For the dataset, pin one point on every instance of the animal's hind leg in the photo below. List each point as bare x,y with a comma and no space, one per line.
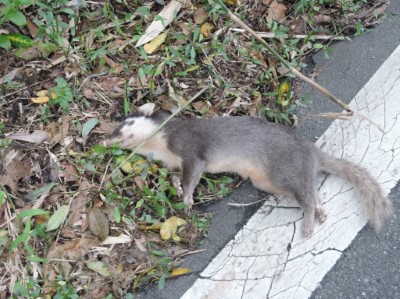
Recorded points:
307,199
305,194
191,174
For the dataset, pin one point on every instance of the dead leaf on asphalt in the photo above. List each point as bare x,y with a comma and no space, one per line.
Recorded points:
169,228
267,2
179,271
28,54
78,205
200,15
206,29
13,171
71,250
103,269
164,18
152,46
112,87
62,129
121,239
276,12
322,19
98,223
110,62
185,28
12,75
107,127
298,26
69,173
33,29
37,136
54,166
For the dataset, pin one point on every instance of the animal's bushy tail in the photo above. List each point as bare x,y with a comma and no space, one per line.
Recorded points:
377,207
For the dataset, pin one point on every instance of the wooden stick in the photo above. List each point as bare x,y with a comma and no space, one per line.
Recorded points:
272,35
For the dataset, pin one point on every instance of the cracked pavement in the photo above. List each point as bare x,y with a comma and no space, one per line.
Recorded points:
269,257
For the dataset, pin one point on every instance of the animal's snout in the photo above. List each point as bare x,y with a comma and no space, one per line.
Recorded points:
108,141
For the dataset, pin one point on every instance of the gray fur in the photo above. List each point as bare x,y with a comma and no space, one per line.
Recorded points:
273,157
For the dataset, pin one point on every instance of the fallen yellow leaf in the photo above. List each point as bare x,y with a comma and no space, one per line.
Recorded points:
169,227
208,60
45,93
74,154
154,226
175,95
137,166
233,2
40,100
155,43
179,271
206,29
283,97
164,18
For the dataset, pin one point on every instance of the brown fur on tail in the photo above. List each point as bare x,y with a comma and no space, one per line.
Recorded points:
377,207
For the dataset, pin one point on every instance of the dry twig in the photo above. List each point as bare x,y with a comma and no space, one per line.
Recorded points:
299,75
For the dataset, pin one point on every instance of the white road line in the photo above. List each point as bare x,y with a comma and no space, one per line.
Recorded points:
269,258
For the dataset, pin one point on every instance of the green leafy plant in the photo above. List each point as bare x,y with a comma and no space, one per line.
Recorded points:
2,197
27,289
162,200
65,290
15,39
51,27
11,11
27,231
63,94
5,143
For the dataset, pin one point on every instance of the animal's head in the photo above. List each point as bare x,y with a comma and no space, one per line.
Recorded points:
135,129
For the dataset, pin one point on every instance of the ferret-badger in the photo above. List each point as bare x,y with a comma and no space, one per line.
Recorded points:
272,156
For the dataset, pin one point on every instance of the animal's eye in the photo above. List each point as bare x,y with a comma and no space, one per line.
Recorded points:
130,122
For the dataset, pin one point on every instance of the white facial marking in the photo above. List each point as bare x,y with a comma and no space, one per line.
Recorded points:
138,129
135,131
147,109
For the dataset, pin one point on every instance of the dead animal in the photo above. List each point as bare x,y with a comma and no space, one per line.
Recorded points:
272,156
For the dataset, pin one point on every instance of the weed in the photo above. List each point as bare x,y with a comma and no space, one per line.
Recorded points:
27,289
51,25
45,113
63,94
11,11
5,143
65,290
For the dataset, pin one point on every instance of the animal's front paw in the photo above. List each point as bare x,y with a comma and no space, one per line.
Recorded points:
188,211
321,214
189,201
176,182
308,225
307,230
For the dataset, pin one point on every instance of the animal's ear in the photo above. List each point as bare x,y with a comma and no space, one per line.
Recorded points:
147,109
